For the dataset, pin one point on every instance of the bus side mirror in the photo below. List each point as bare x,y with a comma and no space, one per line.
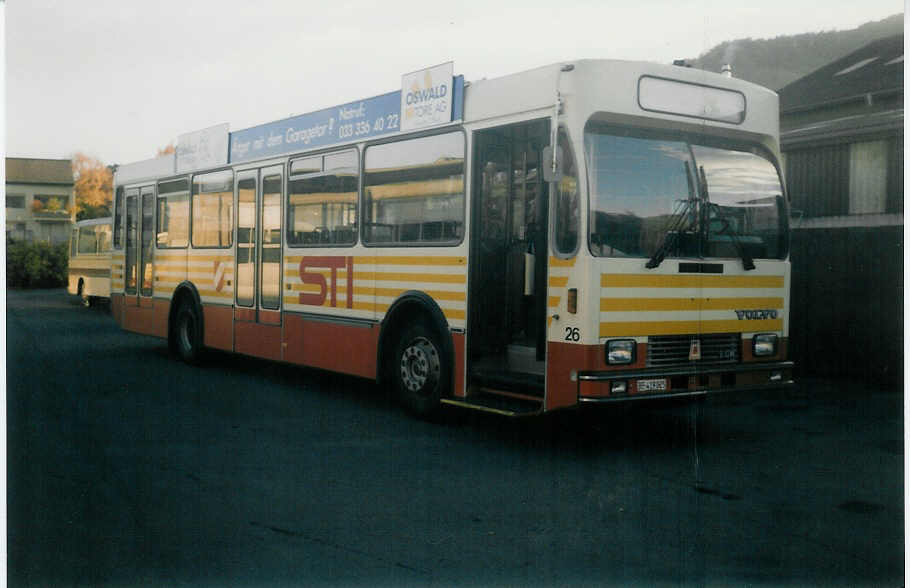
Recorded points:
549,174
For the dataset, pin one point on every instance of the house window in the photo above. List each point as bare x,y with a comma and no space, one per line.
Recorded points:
868,177
15,201
51,205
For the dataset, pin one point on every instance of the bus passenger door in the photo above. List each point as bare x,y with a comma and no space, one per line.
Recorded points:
506,332
138,308
257,310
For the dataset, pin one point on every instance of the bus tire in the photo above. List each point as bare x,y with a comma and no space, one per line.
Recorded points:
187,333
86,300
421,370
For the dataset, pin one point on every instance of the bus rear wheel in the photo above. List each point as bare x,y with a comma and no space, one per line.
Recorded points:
421,371
187,338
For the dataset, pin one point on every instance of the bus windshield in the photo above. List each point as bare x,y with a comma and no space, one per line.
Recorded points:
669,196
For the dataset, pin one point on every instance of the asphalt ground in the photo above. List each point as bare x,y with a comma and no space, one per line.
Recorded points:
128,468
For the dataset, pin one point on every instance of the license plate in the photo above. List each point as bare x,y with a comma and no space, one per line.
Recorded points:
658,385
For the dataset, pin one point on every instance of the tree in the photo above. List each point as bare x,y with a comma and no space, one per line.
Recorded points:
94,186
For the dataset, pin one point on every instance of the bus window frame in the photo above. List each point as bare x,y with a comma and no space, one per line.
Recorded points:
193,176
143,192
130,192
563,130
692,116
464,190
189,202
117,244
358,198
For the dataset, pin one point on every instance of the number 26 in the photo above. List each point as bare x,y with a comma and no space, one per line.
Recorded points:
572,334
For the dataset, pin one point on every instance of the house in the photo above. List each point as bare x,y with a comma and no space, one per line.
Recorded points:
842,130
39,199
842,136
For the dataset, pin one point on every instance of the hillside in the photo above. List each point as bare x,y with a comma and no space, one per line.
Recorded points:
776,62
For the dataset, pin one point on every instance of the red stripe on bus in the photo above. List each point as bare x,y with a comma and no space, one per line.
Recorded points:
218,322
258,340
338,347
145,316
458,385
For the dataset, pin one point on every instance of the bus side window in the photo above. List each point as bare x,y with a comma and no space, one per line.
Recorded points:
213,201
322,200
104,238
414,190
567,205
88,242
173,228
118,219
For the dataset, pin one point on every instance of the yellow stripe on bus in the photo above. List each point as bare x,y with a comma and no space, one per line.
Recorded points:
557,262
342,274
409,260
383,292
676,281
558,281
450,313
642,328
216,294
633,304
400,277
553,301
222,257
395,260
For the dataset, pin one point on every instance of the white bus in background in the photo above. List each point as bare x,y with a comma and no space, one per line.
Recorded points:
90,260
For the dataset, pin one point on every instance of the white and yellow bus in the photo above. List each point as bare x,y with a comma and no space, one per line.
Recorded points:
90,260
468,262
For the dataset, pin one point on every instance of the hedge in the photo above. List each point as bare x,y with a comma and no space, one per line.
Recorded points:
36,265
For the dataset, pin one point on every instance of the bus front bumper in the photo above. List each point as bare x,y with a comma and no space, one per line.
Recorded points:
621,385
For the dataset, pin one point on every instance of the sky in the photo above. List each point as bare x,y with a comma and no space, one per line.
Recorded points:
119,79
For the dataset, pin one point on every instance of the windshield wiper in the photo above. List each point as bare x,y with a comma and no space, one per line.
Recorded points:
675,226
678,222
748,263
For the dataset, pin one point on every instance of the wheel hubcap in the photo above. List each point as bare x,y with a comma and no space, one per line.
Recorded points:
419,365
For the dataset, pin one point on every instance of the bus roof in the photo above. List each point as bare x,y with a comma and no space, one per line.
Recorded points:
94,221
587,86
602,85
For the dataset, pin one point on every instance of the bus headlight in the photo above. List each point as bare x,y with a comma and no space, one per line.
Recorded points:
764,344
620,351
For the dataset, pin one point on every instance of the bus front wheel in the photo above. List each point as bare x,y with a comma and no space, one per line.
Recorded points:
421,371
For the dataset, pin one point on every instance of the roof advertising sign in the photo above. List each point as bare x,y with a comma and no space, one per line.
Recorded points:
426,97
202,149
356,121
340,124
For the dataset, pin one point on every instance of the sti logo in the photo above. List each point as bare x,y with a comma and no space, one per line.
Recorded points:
327,288
755,315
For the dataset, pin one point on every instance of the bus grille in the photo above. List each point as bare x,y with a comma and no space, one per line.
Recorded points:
665,350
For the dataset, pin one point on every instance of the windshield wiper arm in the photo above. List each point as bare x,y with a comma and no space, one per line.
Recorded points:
748,263
677,222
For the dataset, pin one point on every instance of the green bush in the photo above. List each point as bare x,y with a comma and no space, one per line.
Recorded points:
36,265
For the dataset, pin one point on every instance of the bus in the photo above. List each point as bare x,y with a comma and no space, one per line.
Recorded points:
586,232
90,261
